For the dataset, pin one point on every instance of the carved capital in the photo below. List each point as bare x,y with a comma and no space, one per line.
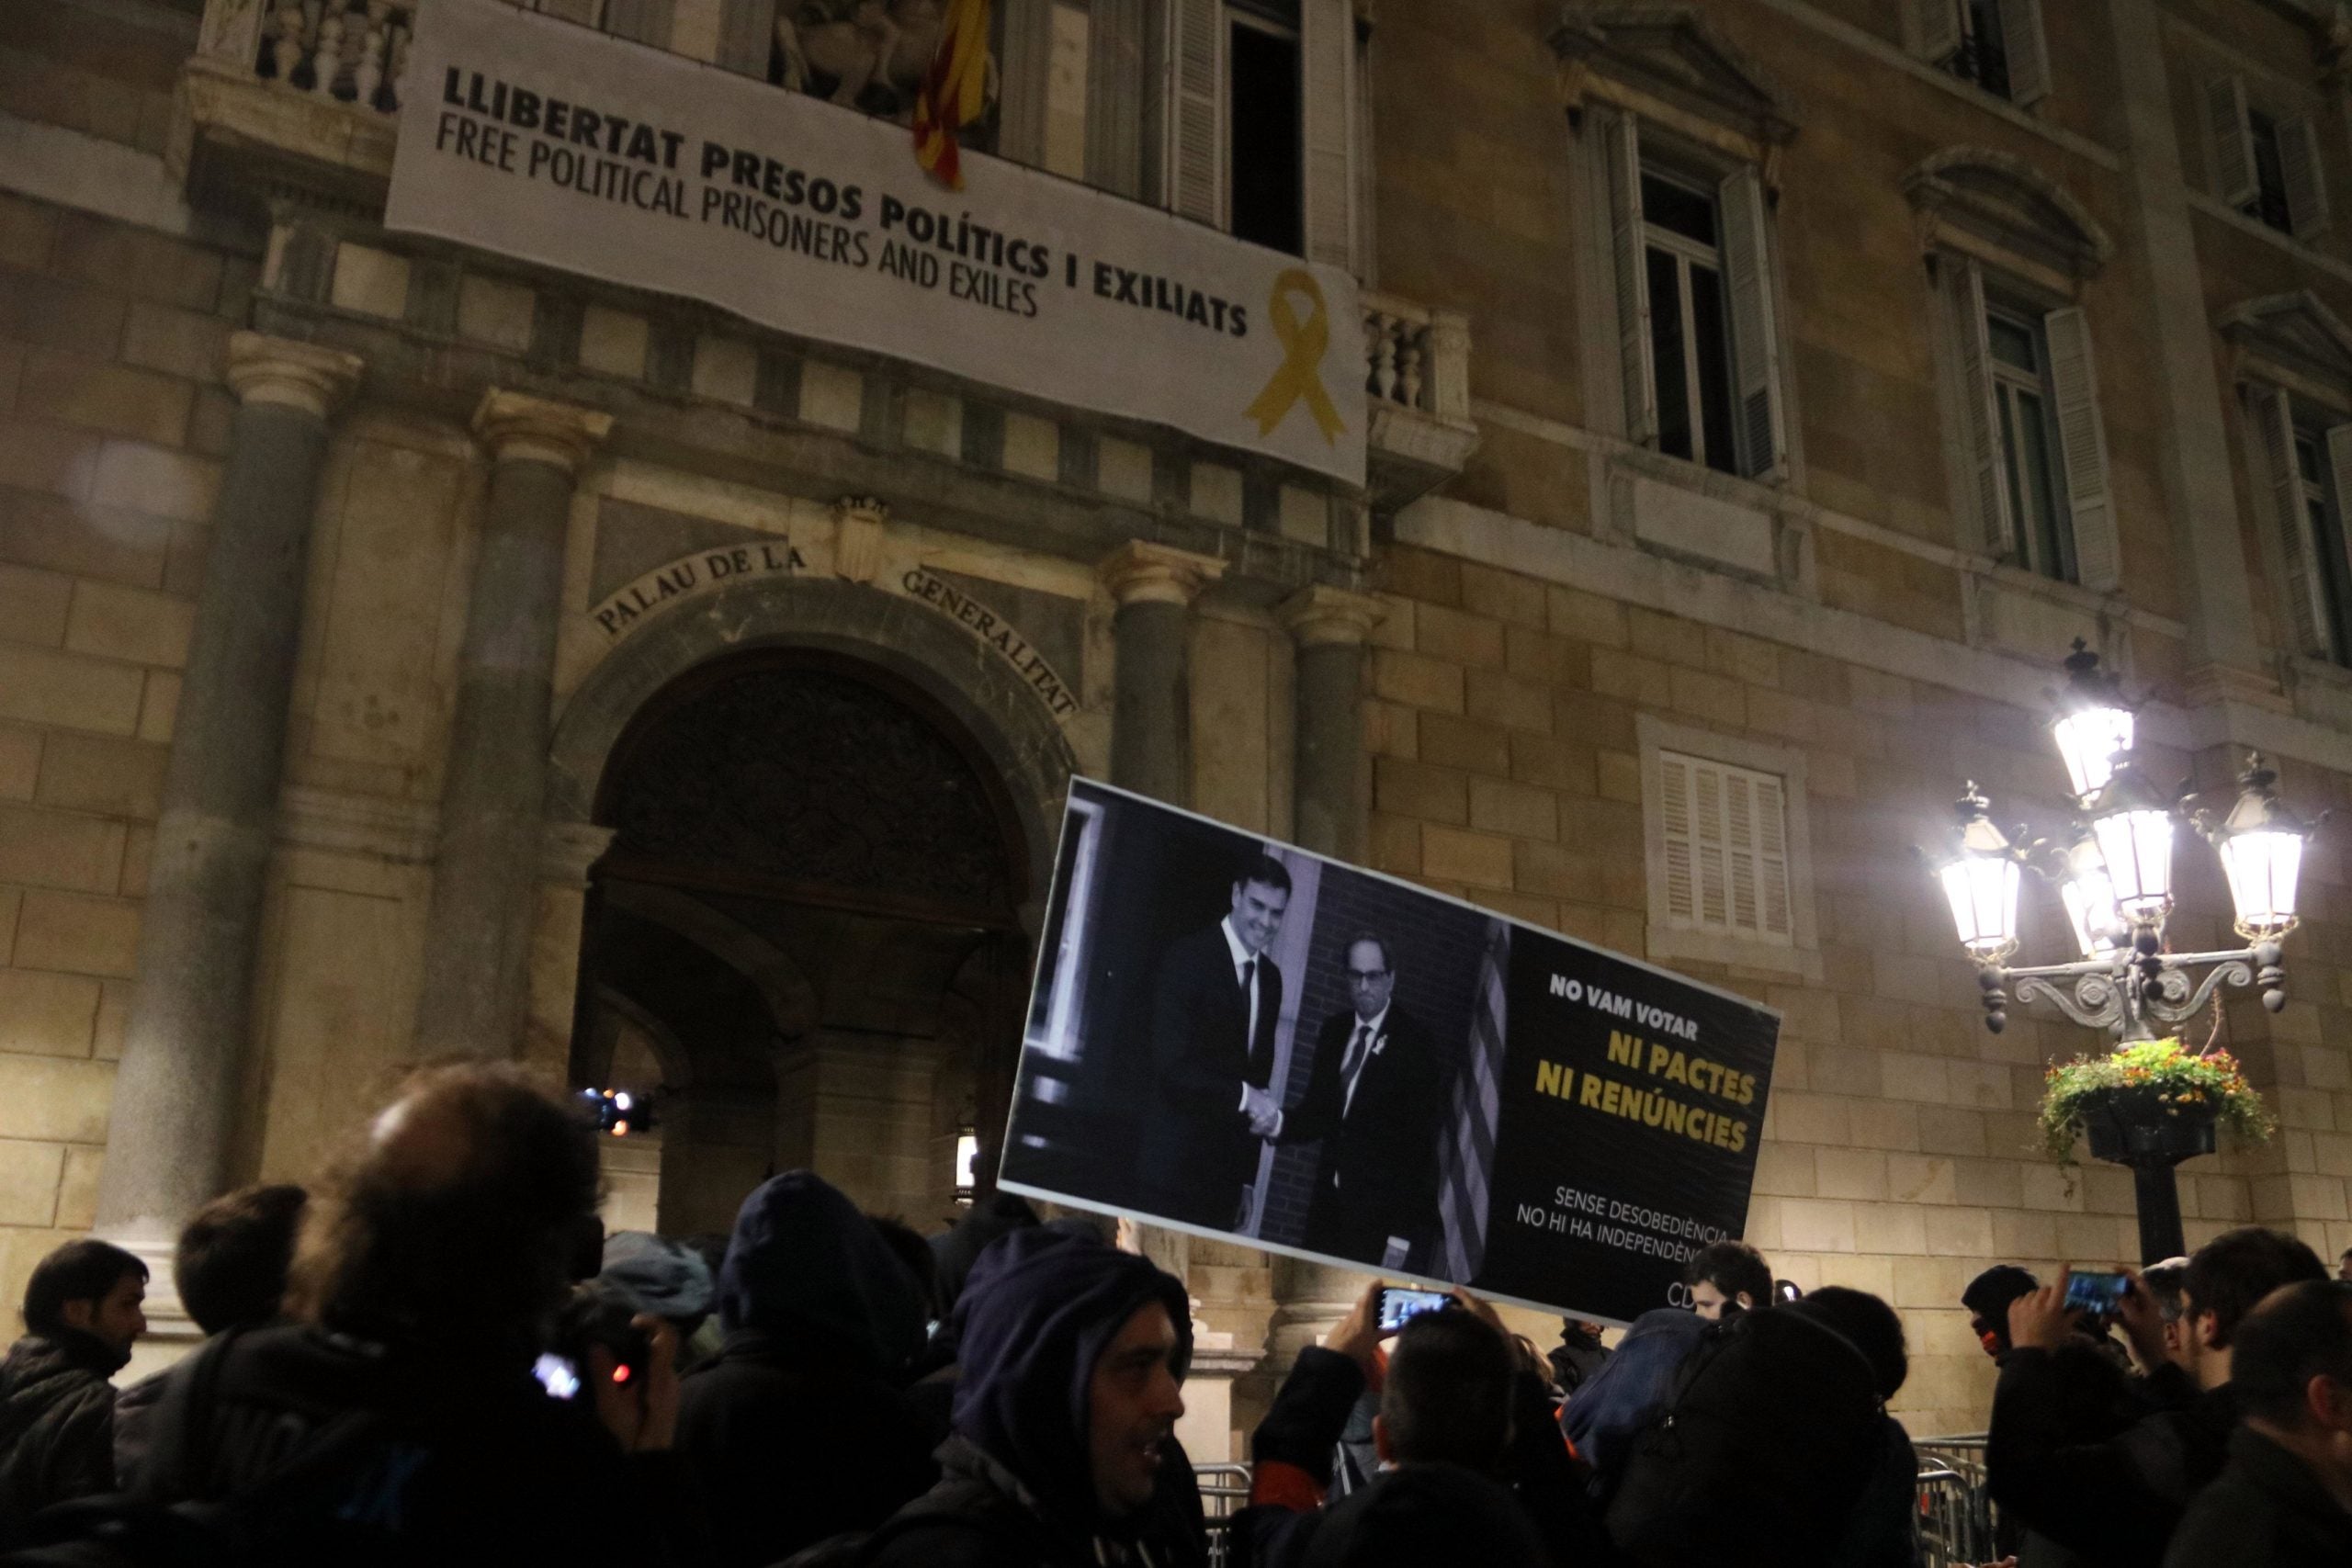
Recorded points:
567,850
858,524
519,428
1318,616
265,369
1142,573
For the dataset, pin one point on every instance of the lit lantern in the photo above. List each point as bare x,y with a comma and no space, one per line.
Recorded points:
2089,897
2133,823
2093,727
1979,878
2261,846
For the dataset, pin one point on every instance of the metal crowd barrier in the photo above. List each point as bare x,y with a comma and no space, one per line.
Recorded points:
1225,1491
1955,1514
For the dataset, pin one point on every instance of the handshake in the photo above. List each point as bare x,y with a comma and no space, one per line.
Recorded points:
1265,1110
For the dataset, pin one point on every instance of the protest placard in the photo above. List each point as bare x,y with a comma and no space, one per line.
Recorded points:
1237,1038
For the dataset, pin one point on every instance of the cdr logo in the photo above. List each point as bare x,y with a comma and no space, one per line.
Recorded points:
1677,1294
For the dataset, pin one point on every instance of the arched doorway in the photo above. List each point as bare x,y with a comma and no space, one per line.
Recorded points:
804,941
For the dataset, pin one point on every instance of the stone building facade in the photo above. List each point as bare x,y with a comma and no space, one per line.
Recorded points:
404,648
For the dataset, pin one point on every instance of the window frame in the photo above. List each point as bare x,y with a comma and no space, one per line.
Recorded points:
1669,938
2234,166
1686,254
1942,31
2010,382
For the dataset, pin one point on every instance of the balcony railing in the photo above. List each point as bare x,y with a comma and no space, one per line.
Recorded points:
318,83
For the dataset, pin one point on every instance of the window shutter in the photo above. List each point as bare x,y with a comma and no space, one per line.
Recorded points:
1326,48
2339,472
747,35
1681,850
1625,152
1116,114
2306,614
1707,832
1935,24
1196,151
2306,181
1755,348
2029,49
646,21
2233,176
1988,489
2082,444
1026,57
1772,858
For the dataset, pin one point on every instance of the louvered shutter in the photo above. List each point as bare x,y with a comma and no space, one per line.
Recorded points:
1624,147
1755,346
2082,444
2306,181
747,35
1681,841
1935,27
2339,472
2306,610
2029,49
2234,180
647,21
1725,842
1326,47
1195,150
1987,472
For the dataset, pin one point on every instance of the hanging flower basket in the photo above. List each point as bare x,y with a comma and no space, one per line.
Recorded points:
2149,1102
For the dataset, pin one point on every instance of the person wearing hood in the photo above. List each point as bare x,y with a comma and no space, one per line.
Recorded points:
797,1430
665,1278
82,1314
1063,1453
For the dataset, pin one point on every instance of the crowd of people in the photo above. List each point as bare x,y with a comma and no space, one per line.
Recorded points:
437,1357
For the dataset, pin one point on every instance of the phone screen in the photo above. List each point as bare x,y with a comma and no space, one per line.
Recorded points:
556,1375
2095,1291
1397,1303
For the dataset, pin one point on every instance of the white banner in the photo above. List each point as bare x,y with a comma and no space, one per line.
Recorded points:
537,138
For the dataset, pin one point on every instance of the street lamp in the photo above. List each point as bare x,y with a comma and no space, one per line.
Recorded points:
2115,880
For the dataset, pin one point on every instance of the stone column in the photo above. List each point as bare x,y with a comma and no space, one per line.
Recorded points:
2222,661
1329,625
175,1093
479,932
1151,713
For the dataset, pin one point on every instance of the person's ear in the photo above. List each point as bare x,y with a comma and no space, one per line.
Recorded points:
78,1315
1380,1439
2329,1403
1746,1303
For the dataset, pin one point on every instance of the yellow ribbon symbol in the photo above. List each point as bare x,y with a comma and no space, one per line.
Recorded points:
1300,375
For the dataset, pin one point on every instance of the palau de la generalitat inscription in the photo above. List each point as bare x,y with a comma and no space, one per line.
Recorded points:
619,613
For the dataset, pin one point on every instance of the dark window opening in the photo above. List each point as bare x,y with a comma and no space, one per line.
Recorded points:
1712,336
1983,56
1263,137
1674,433
2269,203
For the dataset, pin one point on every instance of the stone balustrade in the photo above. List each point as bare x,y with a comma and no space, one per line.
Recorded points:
353,52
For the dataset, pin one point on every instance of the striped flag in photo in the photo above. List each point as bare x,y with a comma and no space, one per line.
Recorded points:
1469,1151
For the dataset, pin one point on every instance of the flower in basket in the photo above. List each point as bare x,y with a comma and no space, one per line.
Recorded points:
2146,1080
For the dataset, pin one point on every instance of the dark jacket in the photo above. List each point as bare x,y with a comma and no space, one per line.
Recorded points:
1017,1489
1884,1529
452,1461
1376,1173
1196,1151
2113,1500
1634,1386
797,1430
56,1423
1414,1513
2266,1510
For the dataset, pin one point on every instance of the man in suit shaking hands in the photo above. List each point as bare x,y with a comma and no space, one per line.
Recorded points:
1215,1007
1372,1101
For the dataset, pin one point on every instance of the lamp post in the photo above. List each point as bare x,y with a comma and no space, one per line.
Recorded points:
2114,877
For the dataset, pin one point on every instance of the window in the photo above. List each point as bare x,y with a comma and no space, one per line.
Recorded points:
1264,174
1727,847
1068,39
2031,444
2021,397
2310,475
1258,133
2266,164
1996,44
1695,310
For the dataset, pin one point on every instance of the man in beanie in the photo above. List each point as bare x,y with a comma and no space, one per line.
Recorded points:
1987,1301
1063,1454
665,1278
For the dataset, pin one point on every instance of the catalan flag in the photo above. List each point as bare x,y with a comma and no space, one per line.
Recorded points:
955,90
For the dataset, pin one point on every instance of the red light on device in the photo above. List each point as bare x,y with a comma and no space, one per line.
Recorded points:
620,1373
